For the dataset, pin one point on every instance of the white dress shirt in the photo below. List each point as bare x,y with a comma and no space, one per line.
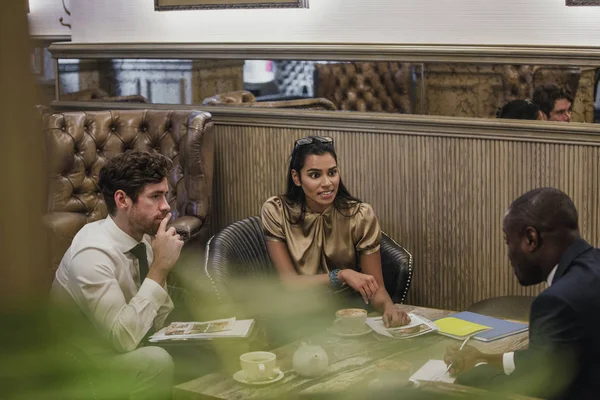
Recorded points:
508,359
102,278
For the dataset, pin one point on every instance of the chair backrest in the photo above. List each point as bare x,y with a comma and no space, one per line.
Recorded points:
78,144
236,97
397,268
243,98
239,250
97,94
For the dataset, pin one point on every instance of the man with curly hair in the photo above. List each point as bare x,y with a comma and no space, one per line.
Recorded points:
555,103
115,272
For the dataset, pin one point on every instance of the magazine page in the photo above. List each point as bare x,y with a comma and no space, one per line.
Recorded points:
418,326
192,328
229,328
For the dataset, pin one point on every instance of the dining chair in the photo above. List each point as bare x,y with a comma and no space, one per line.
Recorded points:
239,251
505,307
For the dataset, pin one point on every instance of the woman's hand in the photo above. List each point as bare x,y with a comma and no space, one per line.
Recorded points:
365,284
393,317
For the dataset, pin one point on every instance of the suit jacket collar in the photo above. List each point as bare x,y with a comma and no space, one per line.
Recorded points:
575,250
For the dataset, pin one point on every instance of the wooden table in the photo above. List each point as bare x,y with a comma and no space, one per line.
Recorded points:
352,361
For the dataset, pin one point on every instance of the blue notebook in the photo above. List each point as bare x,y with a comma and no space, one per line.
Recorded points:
500,328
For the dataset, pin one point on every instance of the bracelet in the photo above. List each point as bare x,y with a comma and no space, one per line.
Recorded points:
333,279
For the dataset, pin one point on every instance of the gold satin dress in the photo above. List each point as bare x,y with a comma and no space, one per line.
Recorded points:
322,241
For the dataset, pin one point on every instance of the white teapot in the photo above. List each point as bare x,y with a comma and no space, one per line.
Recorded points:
310,360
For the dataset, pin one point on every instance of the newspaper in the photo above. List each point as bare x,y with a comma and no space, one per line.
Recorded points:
418,326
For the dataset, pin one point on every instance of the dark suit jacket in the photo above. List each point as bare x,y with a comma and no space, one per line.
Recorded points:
563,358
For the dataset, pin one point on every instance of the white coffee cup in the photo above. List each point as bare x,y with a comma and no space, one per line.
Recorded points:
351,319
258,365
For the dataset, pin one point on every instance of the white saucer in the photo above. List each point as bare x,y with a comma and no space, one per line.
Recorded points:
239,376
338,332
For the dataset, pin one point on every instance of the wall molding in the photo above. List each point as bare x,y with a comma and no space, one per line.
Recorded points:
399,124
47,40
548,55
219,5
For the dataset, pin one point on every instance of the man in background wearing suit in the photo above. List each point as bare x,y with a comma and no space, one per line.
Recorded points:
563,359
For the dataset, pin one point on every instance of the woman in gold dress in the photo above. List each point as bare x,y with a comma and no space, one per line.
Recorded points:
319,234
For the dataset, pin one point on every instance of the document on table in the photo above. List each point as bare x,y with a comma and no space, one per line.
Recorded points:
418,326
433,371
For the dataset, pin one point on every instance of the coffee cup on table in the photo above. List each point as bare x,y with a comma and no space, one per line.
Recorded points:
390,374
259,365
351,319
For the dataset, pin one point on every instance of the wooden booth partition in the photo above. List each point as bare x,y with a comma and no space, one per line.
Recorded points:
439,188
439,185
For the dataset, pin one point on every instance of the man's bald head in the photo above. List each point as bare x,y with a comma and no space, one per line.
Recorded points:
545,209
538,227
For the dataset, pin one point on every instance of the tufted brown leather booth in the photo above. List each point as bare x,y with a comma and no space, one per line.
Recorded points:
78,144
243,98
366,86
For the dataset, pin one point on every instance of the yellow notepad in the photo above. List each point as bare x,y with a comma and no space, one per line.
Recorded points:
458,327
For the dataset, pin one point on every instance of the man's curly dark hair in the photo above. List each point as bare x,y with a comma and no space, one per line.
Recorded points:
131,172
545,96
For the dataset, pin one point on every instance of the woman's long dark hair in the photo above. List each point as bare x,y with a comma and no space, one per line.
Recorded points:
294,195
518,109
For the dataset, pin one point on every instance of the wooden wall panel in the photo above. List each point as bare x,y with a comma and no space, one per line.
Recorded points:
441,197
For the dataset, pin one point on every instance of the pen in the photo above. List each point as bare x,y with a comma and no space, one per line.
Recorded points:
459,349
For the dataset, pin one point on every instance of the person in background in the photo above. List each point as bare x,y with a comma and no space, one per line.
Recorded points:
318,234
519,109
544,245
554,102
115,272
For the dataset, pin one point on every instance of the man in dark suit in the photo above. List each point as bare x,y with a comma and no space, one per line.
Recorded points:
563,359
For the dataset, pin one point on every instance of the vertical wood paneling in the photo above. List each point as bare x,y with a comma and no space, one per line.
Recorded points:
442,198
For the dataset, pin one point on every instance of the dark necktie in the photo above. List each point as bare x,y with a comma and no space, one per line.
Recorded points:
139,252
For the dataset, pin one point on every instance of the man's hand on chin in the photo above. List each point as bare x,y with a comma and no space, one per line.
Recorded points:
166,246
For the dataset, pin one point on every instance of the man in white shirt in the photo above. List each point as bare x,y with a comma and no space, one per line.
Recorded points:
115,272
542,235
